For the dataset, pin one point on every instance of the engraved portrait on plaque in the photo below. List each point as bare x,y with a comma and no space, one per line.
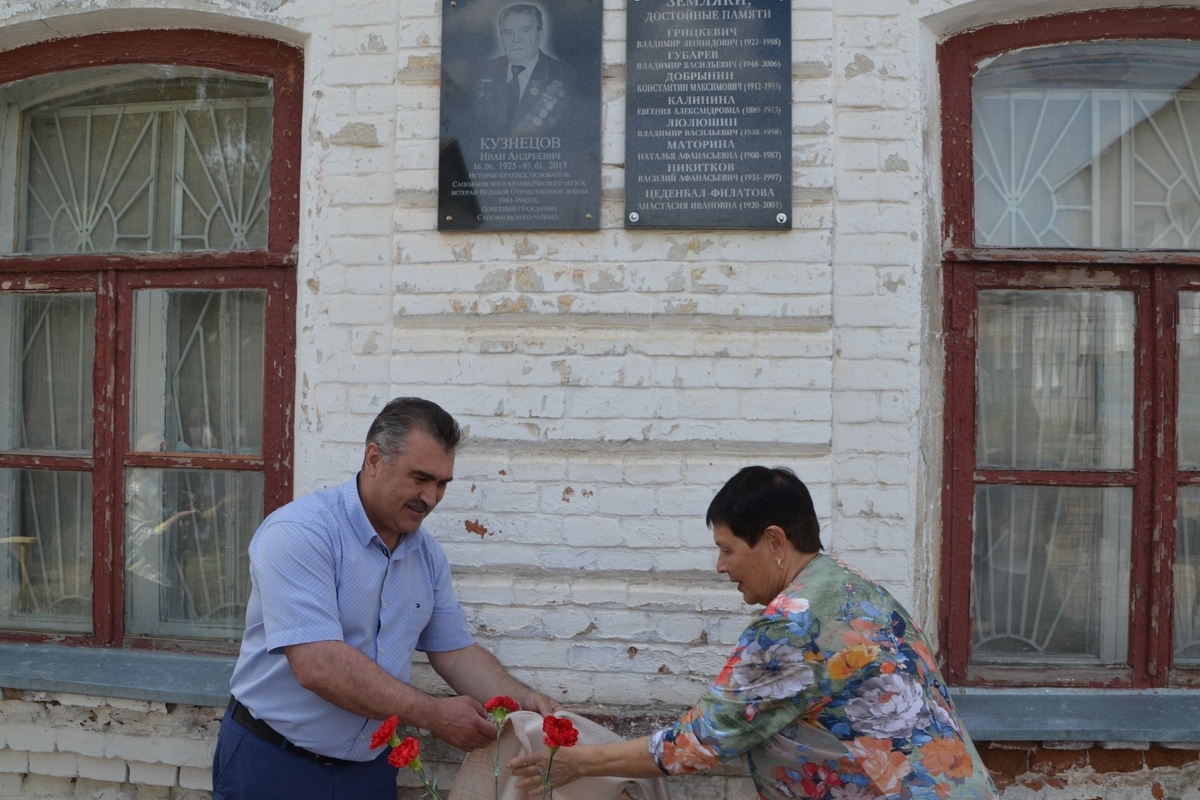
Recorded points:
520,115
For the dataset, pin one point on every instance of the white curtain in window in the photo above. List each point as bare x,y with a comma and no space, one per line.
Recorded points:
198,373
47,349
1055,392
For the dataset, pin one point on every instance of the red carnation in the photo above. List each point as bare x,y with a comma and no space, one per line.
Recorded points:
406,753
501,701
499,707
385,732
559,732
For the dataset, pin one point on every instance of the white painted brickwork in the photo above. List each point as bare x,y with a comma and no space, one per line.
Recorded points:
611,381
58,745
170,739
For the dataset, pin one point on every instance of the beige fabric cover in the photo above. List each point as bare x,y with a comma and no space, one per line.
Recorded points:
522,735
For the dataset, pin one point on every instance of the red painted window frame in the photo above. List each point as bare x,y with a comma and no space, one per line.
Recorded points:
114,277
1155,277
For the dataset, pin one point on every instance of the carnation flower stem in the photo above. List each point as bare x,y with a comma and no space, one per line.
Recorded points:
547,789
499,707
496,764
430,789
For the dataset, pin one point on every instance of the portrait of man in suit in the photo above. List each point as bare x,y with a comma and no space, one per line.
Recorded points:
525,91
520,114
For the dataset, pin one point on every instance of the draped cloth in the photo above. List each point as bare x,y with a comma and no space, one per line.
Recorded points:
523,735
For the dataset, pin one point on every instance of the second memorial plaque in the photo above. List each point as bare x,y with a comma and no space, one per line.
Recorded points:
708,114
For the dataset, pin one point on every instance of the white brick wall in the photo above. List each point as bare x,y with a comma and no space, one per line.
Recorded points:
67,746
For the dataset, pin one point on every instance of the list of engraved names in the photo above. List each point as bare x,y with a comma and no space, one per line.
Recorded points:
708,114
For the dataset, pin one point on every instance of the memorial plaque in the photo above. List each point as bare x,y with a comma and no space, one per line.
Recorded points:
708,114
520,115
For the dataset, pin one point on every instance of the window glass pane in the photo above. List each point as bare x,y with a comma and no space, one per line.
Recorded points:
143,158
1089,145
1055,380
1187,578
198,370
47,348
187,533
1189,380
1051,580
46,551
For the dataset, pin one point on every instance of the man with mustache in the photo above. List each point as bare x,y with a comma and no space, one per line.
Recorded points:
346,584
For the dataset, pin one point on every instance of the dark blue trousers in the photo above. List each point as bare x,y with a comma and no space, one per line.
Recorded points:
245,767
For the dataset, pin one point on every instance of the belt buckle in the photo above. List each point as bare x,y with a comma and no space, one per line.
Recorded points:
316,758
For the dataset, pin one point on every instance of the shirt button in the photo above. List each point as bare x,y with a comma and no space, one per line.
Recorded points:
385,605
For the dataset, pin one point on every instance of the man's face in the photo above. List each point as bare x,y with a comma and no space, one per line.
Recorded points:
397,496
520,37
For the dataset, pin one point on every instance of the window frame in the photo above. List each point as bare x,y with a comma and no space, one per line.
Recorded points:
1154,276
113,277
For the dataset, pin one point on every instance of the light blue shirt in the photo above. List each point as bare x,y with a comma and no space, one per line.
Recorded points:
319,572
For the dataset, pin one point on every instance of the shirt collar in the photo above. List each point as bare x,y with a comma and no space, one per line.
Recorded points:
364,531
528,65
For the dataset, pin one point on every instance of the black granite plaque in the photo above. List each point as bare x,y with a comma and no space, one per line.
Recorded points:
520,115
708,114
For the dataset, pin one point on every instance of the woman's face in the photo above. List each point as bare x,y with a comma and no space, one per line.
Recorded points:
753,569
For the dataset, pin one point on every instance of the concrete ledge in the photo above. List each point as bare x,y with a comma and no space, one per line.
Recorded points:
1095,715
132,674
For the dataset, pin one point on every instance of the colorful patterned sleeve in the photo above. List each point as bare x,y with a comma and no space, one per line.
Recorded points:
775,674
832,684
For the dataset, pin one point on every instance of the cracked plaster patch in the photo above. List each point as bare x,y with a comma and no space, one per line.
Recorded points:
357,134
861,65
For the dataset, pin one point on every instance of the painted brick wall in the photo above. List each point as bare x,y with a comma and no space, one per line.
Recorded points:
63,747
56,745
1094,770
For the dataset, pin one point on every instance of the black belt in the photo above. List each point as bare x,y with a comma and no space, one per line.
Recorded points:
265,732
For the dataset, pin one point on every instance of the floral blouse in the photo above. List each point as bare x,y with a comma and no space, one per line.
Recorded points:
831,693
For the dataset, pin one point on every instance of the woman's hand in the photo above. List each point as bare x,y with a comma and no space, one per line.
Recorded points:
629,758
531,768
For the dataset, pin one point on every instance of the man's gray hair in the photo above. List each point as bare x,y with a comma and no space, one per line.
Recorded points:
522,8
402,415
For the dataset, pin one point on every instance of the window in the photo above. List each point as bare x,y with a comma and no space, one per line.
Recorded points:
1071,514
148,224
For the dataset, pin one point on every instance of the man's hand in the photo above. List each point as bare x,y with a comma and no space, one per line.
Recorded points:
461,722
536,701
476,672
345,677
350,680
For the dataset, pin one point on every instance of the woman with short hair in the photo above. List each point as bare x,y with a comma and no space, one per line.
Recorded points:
831,691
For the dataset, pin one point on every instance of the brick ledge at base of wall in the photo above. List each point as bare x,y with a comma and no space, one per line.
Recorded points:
1049,769
1035,765
1043,769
